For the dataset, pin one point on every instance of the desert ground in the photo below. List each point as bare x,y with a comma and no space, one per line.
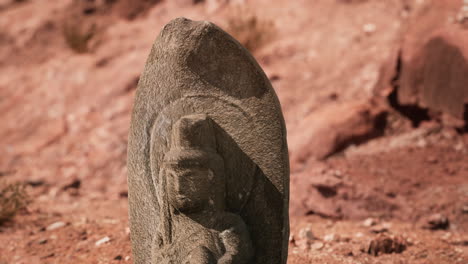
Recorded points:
374,95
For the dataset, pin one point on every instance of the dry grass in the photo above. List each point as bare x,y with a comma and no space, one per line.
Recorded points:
250,30
78,35
13,198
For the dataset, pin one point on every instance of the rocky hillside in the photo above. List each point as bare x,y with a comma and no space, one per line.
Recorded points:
374,94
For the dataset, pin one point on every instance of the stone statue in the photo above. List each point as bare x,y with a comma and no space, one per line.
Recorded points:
208,169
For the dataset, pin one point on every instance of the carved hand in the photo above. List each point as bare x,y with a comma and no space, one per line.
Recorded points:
237,244
226,259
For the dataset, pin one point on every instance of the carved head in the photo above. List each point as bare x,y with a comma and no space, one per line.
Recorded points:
193,171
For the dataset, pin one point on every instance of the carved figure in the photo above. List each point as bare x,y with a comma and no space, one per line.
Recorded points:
195,226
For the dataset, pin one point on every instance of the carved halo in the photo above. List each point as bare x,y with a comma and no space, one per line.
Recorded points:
206,104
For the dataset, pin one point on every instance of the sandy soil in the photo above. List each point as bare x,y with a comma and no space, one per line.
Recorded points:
364,179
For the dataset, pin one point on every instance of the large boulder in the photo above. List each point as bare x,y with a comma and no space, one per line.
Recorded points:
434,60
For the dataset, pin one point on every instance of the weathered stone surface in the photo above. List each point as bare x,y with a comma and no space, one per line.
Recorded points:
208,169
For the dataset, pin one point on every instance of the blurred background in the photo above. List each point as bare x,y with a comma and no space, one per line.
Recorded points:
374,95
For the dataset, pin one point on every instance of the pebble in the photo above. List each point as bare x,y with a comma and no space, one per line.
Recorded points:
386,245
127,258
369,28
338,174
465,209
102,241
304,238
446,236
359,234
306,233
329,237
317,245
369,222
75,184
55,225
459,147
422,143
437,221
35,183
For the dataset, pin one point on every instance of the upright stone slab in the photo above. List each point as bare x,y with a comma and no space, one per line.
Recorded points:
208,170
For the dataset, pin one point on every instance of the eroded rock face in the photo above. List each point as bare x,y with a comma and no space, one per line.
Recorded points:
208,169
332,129
434,61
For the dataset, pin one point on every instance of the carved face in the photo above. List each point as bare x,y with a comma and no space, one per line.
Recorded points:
189,188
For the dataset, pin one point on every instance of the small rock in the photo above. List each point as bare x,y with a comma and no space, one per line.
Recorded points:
48,256
437,221
305,238
35,183
369,222
118,257
42,241
55,225
102,241
317,245
75,184
306,233
326,190
359,234
338,174
386,245
303,244
465,209
369,28
432,160
84,235
422,143
459,147
329,238
446,237
127,258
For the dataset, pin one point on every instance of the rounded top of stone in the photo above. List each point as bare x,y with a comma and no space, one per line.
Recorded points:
209,53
